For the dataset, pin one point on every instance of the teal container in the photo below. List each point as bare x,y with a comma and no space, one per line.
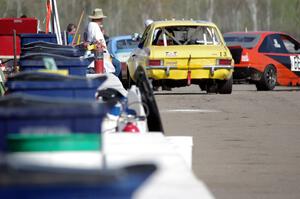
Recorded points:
54,142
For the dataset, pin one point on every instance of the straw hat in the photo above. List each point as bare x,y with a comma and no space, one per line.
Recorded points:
97,14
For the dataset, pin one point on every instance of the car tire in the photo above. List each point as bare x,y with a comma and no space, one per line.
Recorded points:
130,81
153,117
211,87
124,81
225,86
268,79
202,86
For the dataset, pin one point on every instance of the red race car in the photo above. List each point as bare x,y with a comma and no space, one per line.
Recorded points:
265,58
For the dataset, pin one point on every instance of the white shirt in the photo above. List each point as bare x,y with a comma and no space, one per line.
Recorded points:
94,33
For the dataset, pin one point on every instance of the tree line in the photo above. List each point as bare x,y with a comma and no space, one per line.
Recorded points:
127,16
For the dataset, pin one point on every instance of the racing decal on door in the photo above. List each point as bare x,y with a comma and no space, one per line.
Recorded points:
286,61
295,63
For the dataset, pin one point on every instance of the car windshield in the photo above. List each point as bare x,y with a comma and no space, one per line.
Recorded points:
185,35
126,44
243,40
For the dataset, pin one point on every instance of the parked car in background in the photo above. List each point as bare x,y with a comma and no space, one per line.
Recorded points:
265,58
120,47
179,53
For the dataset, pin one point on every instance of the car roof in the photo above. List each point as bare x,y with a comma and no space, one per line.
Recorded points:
181,22
120,37
254,33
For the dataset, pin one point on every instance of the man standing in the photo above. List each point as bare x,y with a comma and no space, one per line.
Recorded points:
94,35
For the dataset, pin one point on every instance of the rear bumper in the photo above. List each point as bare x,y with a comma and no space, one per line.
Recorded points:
246,73
176,73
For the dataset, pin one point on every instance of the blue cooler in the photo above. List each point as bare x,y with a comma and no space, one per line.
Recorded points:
43,183
46,47
29,38
54,85
75,65
59,50
32,114
44,44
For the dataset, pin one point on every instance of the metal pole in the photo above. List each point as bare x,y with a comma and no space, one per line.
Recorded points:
51,29
78,25
65,38
59,41
15,50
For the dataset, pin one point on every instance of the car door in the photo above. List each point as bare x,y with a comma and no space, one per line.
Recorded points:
274,48
293,52
138,55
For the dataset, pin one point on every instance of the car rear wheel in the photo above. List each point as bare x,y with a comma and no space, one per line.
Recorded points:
268,79
225,86
211,87
202,86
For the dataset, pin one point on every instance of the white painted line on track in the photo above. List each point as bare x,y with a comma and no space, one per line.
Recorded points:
190,111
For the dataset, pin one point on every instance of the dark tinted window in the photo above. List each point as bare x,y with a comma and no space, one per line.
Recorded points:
121,44
132,44
126,44
185,35
272,44
244,40
290,44
239,39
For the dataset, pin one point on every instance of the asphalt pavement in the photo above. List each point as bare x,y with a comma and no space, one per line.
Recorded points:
246,145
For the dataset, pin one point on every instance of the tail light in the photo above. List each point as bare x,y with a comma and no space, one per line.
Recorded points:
224,61
155,62
245,57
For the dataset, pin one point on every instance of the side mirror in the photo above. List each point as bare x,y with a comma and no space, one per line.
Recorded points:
135,36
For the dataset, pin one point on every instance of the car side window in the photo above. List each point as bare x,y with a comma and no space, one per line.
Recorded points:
131,43
272,44
290,44
157,37
121,44
144,37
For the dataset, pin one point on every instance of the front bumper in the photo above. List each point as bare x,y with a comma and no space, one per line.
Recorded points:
176,73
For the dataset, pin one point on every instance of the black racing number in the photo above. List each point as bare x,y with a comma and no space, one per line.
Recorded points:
297,62
223,54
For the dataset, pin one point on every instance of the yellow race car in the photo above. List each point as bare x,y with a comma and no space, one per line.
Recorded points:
181,53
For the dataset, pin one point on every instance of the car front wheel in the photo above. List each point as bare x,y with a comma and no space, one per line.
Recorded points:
268,79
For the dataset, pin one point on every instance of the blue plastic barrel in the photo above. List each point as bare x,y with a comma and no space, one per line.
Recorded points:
59,50
32,114
75,65
54,85
44,44
46,47
29,38
76,184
